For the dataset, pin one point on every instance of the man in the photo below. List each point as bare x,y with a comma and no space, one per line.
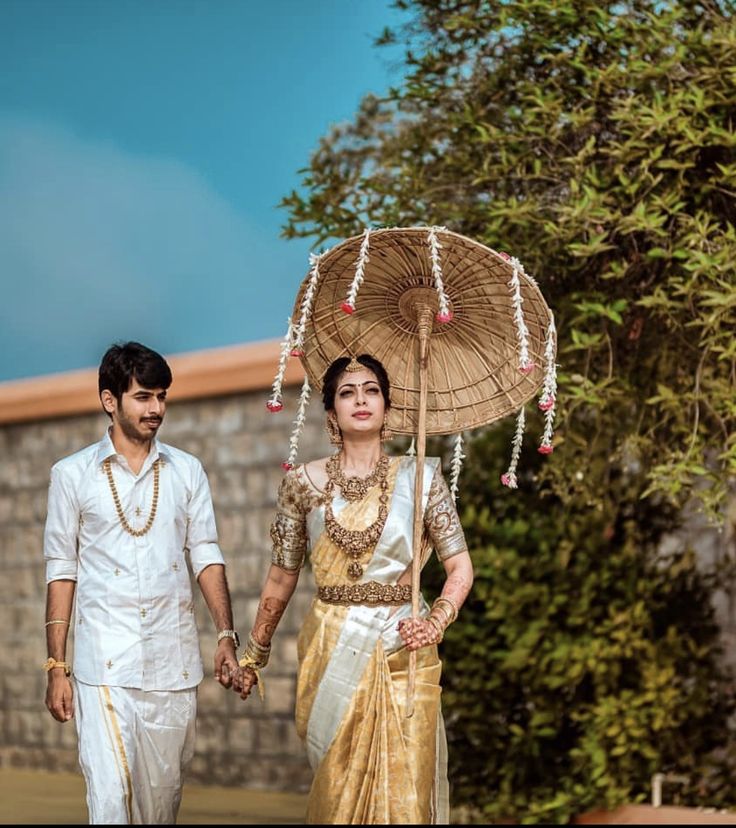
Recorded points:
123,516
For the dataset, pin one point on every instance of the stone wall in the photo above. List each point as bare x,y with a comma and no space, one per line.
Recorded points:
241,446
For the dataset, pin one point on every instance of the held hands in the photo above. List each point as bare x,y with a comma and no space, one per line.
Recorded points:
60,696
226,662
245,680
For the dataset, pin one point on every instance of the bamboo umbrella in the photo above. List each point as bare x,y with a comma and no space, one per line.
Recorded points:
464,333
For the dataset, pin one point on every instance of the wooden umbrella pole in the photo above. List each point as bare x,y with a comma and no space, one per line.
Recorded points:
424,320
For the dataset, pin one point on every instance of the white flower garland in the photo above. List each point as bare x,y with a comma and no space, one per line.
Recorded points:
444,314
522,332
298,347
456,466
549,390
509,478
274,404
349,304
298,426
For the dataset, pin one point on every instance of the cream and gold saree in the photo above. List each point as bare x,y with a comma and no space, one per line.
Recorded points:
372,765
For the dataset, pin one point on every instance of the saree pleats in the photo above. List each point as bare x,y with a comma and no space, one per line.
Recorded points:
380,768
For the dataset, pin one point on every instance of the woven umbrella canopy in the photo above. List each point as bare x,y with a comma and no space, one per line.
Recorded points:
463,332
473,375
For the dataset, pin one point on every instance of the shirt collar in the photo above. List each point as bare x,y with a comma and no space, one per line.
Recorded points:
105,449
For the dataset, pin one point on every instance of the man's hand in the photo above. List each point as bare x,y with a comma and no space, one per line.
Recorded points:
60,696
226,662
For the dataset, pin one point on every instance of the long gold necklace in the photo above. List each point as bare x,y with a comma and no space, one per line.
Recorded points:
356,542
137,533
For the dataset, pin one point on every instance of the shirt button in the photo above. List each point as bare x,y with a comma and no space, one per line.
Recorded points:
109,664
117,571
185,674
175,566
143,613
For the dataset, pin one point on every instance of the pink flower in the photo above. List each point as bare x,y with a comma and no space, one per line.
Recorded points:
528,367
286,466
504,255
297,352
274,405
546,449
545,405
444,317
509,479
347,307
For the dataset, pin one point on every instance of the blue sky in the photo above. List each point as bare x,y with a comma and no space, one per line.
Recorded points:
143,149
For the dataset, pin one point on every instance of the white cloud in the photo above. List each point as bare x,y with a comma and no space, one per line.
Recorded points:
99,244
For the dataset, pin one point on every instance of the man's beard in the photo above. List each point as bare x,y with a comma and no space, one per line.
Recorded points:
131,430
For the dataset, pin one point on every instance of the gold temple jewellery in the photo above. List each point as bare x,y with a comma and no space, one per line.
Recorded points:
137,533
52,664
368,593
355,542
356,488
56,621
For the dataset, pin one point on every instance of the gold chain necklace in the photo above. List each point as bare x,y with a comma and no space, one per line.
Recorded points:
356,542
137,533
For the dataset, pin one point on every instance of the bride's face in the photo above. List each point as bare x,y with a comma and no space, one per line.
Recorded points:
359,404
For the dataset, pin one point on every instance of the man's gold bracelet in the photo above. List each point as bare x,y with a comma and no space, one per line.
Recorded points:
52,664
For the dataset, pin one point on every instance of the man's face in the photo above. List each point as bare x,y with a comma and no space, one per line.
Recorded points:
140,411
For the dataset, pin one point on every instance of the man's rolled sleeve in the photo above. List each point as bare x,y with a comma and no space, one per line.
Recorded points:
61,535
202,531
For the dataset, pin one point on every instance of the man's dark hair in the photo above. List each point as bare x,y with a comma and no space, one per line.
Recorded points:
128,361
332,375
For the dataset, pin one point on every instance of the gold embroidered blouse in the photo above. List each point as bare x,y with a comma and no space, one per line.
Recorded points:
297,496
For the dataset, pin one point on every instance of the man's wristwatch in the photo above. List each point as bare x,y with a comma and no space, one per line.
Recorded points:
229,634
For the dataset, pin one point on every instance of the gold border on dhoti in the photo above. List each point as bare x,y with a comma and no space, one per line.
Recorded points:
125,774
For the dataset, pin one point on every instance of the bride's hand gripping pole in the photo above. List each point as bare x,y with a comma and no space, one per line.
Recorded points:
425,316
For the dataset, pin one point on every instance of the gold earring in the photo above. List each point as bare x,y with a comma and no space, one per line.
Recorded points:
386,433
333,431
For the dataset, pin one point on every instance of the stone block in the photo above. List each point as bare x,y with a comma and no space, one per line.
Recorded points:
242,735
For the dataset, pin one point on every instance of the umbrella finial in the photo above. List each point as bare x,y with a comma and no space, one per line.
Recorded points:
509,478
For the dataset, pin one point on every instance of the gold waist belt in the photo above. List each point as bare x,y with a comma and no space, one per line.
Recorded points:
368,593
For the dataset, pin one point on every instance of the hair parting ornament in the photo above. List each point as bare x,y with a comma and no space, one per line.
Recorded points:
293,345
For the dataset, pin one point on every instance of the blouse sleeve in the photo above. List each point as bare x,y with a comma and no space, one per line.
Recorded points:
441,520
289,527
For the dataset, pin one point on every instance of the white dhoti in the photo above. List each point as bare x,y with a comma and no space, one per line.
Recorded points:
133,747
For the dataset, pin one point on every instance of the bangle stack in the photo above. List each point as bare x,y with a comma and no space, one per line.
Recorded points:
255,653
447,607
255,658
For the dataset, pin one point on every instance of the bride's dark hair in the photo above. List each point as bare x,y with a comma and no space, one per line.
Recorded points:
333,373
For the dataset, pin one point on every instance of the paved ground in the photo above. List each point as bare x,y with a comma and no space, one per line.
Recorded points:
38,798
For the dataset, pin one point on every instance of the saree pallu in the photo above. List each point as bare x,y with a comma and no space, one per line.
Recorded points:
372,765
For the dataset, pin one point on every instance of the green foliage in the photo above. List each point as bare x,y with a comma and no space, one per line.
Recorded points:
596,142
583,662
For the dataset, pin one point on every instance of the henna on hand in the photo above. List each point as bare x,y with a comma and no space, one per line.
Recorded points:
268,616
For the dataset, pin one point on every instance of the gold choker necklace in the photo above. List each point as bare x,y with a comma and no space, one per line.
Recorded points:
356,488
356,542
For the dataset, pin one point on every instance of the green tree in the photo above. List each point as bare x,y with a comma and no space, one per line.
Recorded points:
596,142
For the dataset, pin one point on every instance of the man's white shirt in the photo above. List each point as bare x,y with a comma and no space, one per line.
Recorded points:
134,622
